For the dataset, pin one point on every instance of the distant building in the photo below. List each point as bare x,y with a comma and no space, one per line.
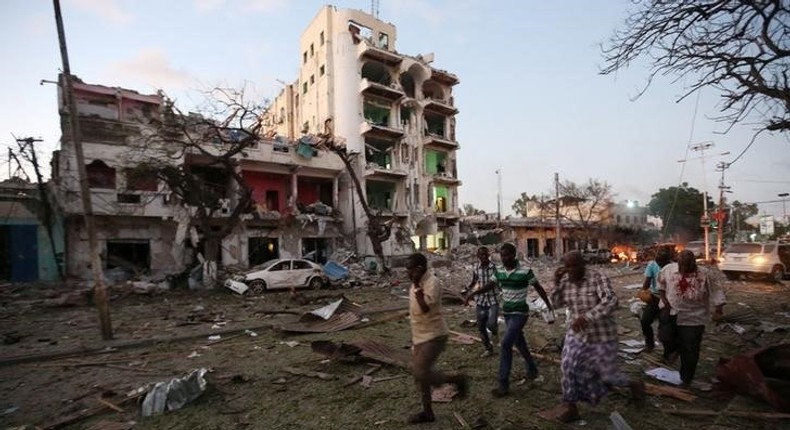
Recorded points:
26,250
395,111
629,214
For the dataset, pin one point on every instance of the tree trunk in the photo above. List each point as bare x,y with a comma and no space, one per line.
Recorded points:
210,265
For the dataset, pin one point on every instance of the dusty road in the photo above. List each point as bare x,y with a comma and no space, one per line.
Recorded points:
55,368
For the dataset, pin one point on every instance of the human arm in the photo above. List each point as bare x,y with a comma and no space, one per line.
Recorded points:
426,293
542,293
474,281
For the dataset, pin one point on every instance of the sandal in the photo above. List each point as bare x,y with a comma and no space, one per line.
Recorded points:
421,417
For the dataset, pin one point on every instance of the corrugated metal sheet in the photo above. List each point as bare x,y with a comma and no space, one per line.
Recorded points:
366,348
337,322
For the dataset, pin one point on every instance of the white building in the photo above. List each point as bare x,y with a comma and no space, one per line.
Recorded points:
395,111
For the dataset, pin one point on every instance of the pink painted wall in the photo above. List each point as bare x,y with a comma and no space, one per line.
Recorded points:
260,182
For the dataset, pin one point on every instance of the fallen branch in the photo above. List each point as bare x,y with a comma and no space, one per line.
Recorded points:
109,404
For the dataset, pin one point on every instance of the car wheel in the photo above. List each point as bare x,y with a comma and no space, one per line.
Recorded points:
315,283
258,286
732,276
777,273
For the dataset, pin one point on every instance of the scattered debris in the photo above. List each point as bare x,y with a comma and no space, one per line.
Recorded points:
443,393
302,372
663,390
762,373
370,349
174,394
618,422
336,316
665,375
236,286
741,414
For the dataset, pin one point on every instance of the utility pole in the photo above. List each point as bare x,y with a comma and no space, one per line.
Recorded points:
99,289
558,225
722,166
499,195
705,221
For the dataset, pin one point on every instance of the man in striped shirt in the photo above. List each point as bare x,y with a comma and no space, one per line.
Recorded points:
486,304
514,280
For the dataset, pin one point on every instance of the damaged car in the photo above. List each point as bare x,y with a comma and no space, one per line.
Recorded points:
283,273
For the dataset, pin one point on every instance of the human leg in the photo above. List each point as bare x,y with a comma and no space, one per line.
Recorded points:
690,340
522,347
425,355
513,327
649,314
667,334
482,313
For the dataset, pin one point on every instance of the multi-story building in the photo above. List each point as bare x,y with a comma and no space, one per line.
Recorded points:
141,226
397,116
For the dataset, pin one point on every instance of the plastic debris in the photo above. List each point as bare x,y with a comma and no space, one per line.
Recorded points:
665,375
215,337
174,394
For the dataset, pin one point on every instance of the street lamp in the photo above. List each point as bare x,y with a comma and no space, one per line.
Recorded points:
784,208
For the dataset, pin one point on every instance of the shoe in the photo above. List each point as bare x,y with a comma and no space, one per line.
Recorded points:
500,392
487,353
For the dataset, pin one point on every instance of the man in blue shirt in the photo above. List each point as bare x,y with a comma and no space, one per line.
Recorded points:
650,312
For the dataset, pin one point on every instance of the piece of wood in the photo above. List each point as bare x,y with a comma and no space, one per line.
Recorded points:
663,390
461,420
310,373
461,334
85,414
109,404
354,380
740,414
387,378
547,358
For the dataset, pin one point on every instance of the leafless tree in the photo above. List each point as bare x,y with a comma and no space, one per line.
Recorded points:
739,47
378,231
182,149
587,206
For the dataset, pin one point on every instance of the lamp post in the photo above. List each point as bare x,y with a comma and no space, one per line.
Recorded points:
784,207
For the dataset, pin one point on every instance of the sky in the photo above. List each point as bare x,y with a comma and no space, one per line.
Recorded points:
532,102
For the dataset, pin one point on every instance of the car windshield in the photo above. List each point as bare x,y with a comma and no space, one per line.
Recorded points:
744,248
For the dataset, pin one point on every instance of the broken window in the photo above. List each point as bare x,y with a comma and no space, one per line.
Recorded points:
321,38
316,249
436,163
405,116
378,152
376,113
304,88
432,90
376,72
283,265
129,254
100,175
129,198
310,190
214,181
434,125
380,195
359,32
262,249
272,200
441,198
384,41
436,241
407,83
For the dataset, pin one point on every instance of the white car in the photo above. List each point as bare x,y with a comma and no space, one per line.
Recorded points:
283,273
768,260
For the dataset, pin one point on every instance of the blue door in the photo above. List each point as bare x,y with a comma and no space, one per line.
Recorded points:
23,249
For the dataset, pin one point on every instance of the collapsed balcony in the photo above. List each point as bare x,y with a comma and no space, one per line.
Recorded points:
380,160
377,81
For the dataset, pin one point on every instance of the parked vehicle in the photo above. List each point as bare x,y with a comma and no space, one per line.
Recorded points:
766,260
283,273
597,256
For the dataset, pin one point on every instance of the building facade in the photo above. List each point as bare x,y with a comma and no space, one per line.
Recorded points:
396,115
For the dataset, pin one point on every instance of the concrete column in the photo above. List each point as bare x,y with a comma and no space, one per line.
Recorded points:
335,192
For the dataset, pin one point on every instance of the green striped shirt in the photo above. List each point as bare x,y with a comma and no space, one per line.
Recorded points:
515,285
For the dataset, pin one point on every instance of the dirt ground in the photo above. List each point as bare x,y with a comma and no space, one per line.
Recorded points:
53,364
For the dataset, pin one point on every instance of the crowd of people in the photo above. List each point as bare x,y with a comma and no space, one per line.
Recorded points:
678,294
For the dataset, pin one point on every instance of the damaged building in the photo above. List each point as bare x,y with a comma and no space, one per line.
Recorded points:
396,115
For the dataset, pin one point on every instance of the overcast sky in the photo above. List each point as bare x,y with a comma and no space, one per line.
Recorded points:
531,100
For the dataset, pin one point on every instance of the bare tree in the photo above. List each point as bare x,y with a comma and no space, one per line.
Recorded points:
196,156
586,206
378,232
739,47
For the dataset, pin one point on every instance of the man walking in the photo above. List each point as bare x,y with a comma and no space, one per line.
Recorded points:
429,336
650,311
687,293
589,356
487,303
514,279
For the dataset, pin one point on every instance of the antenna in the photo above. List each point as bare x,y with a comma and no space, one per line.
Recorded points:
374,8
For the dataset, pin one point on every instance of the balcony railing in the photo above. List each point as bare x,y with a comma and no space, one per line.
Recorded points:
389,92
